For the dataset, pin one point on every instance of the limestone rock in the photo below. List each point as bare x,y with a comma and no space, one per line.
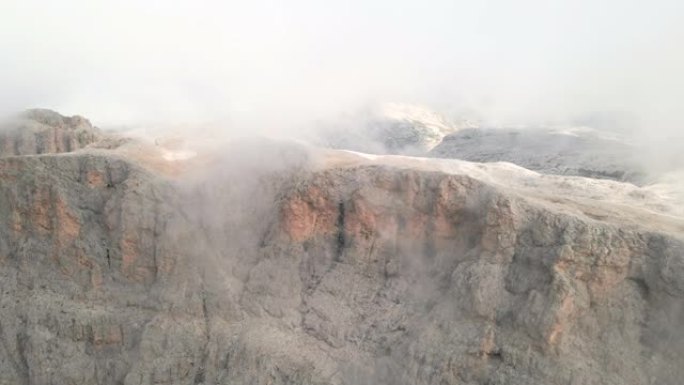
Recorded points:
329,267
41,131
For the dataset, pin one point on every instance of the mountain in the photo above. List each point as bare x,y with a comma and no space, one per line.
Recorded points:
270,262
41,131
391,128
579,152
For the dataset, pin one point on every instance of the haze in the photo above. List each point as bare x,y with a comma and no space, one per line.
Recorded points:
282,65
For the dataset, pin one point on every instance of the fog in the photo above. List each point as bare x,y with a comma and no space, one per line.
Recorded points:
282,68
279,66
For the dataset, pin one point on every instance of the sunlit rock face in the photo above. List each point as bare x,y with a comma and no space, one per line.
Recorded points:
40,131
273,263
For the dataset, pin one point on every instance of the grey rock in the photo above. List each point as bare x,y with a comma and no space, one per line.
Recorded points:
578,153
41,131
302,269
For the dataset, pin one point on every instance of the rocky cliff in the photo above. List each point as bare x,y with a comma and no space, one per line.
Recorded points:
275,263
41,131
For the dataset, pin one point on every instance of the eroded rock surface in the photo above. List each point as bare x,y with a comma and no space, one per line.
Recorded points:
328,268
41,131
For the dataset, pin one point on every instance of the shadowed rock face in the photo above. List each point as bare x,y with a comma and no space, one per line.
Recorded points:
40,131
289,272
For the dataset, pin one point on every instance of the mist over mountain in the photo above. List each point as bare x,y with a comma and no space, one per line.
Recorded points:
356,192
142,260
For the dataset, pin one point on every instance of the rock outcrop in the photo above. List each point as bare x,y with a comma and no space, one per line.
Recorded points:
41,131
329,267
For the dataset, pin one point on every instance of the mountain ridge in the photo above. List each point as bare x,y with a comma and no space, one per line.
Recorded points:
271,262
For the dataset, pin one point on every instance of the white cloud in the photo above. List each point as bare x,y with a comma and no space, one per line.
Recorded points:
261,63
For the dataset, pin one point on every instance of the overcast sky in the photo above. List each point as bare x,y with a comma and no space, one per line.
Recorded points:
255,62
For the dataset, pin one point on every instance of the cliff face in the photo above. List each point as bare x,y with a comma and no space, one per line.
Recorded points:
314,267
457,282
40,131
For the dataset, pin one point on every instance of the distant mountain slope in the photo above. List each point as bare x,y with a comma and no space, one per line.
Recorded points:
574,152
390,128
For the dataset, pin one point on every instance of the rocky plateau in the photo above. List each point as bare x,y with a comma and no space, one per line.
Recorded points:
272,262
